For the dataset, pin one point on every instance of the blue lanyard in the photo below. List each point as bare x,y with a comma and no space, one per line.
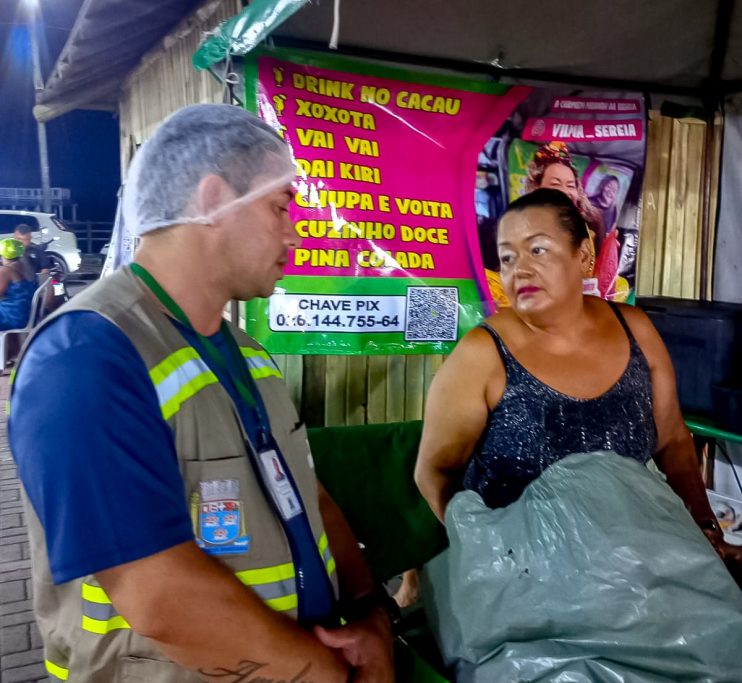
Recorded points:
304,552
244,383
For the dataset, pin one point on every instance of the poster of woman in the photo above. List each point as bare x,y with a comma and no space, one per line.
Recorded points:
589,146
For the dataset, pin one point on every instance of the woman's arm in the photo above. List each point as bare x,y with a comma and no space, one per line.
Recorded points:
675,454
455,416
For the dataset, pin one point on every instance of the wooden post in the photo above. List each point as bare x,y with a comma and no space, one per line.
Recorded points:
708,161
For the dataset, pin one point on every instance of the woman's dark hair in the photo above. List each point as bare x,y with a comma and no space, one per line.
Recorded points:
568,216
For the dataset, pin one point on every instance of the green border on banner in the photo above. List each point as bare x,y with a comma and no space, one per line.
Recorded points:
356,65
470,313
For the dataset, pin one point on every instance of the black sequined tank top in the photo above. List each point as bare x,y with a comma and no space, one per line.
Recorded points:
534,426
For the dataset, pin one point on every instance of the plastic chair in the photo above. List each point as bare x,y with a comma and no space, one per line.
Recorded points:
37,307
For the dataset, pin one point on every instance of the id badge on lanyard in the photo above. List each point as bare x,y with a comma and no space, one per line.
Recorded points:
279,483
268,460
266,456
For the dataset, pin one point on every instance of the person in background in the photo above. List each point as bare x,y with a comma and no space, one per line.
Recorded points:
17,285
557,373
605,201
35,253
164,547
552,167
41,264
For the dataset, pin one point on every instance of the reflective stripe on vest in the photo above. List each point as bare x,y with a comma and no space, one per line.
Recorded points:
184,373
98,614
10,387
56,672
324,550
178,377
276,586
260,363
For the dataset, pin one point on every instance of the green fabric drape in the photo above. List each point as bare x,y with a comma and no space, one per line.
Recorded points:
244,31
368,470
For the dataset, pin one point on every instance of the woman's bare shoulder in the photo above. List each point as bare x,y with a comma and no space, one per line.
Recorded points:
472,343
503,321
466,379
636,319
477,349
476,357
643,330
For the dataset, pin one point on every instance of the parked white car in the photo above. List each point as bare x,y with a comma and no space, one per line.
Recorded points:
62,251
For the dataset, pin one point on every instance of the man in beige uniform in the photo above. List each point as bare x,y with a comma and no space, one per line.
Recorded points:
209,195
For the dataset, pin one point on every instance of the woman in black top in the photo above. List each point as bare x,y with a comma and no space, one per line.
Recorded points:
556,374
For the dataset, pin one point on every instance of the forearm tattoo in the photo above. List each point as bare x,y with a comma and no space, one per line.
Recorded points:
249,672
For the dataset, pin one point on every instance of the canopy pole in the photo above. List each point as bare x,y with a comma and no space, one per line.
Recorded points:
711,101
708,160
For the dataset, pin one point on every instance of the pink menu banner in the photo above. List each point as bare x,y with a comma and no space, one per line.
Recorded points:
581,130
587,105
386,169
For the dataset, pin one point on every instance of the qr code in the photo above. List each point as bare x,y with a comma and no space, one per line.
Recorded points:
432,314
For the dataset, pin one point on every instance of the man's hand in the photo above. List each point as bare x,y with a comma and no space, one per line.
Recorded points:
366,645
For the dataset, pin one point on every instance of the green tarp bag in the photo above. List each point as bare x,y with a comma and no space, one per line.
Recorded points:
596,574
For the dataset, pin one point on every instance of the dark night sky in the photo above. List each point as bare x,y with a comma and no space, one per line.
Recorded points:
83,145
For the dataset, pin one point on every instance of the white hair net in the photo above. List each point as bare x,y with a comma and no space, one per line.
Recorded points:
192,143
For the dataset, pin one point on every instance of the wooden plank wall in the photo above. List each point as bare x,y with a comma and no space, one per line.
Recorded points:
340,390
670,235
166,79
348,390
